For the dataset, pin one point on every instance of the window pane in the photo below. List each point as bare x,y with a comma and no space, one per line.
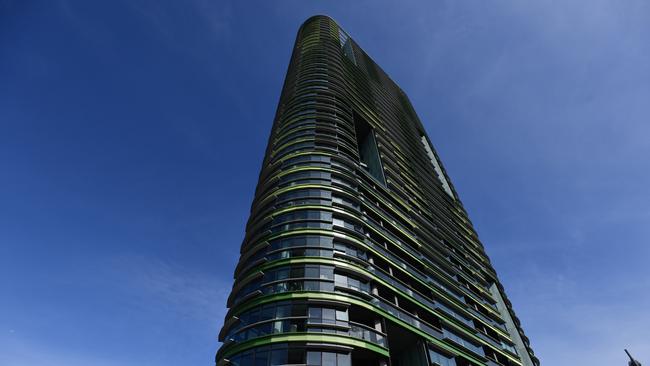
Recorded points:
342,315
344,359
340,280
261,358
297,272
279,357
282,274
315,313
247,359
327,273
267,312
329,359
311,272
353,283
313,358
329,314
312,285
283,311
296,356
255,316
299,310
277,326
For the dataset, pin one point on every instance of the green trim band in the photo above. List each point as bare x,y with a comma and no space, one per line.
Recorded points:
345,298
438,293
448,320
303,337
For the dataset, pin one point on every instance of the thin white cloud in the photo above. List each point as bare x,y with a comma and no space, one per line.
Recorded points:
167,18
18,351
577,325
171,287
176,300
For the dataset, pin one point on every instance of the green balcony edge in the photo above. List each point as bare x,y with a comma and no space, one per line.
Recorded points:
319,260
352,216
305,337
398,199
351,300
362,244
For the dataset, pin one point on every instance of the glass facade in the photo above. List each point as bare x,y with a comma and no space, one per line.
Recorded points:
358,250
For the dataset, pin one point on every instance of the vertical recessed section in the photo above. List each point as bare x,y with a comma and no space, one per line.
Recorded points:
436,166
346,45
368,152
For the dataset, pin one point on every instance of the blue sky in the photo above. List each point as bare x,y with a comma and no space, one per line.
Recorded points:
132,133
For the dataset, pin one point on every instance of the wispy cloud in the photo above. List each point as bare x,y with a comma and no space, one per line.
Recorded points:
171,287
19,351
168,18
156,302
584,325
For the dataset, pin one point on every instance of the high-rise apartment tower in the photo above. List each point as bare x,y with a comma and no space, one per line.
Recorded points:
358,250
